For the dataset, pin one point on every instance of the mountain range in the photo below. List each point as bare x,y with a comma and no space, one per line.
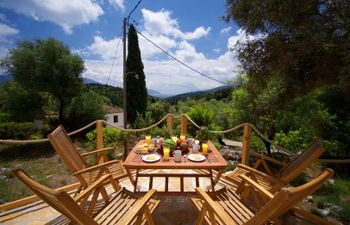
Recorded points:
154,93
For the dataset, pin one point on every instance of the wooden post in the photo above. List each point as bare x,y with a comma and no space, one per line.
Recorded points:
170,124
246,144
183,125
101,156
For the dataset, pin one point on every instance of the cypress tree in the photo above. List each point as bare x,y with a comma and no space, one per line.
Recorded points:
136,92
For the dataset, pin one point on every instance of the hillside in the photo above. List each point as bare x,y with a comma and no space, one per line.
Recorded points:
115,94
217,93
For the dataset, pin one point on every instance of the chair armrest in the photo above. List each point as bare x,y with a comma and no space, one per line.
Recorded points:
214,207
258,173
256,186
92,187
96,151
265,157
99,166
137,207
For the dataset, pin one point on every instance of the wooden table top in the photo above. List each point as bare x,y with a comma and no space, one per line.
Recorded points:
216,161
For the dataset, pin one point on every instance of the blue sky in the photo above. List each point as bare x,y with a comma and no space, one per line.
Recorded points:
190,30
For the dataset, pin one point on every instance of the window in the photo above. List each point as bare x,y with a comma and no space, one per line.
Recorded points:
115,119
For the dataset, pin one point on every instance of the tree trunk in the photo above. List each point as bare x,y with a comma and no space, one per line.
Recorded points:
267,146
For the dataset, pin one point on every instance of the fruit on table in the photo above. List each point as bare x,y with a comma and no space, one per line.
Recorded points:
184,145
170,142
174,138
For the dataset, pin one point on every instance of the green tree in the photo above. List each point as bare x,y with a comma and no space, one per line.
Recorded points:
18,103
303,44
85,109
48,66
135,79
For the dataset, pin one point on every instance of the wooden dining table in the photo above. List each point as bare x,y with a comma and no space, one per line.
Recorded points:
213,161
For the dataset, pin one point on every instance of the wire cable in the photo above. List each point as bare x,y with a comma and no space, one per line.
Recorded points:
133,10
179,61
114,58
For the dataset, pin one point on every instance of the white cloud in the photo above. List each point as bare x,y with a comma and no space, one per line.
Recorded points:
225,30
66,13
7,31
241,37
105,49
163,74
196,34
217,50
5,42
118,4
156,23
148,50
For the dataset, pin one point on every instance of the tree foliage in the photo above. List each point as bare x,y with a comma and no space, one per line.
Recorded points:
302,45
136,91
19,104
85,109
115,94
48,66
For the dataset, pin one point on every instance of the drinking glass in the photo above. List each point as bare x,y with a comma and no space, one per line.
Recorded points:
166,151
205,148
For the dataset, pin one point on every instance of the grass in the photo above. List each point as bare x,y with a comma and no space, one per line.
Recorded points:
335,197
41,162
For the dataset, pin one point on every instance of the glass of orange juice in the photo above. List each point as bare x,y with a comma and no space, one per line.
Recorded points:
205,148
148,139
166,152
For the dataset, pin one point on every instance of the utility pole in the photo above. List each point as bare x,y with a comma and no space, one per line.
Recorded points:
125,102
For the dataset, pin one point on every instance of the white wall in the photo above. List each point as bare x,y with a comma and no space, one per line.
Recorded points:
110,119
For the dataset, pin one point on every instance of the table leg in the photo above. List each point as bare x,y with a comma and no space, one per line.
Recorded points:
215,180
132,179
136,178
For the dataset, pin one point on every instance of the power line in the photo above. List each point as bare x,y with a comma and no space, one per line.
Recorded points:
114,59
179,61
133,10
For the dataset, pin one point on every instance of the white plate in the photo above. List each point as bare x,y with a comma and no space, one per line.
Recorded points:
196,157
151,158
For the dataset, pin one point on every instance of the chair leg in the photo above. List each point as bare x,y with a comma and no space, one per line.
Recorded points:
148,216
201,215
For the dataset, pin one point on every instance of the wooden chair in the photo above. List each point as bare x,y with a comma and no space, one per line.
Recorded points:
273,182
226,207
76,163
123,208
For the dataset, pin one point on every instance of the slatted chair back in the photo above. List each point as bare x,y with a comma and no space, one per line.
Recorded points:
296,166
59,200
66,149
275,206
297,194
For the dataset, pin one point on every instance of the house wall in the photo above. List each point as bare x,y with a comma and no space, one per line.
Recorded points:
110,119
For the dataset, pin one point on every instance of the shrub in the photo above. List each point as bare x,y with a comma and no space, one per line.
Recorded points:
110,137
295,140
13,130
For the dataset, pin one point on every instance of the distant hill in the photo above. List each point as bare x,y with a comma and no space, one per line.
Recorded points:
90,81
115,94
157,94
218,93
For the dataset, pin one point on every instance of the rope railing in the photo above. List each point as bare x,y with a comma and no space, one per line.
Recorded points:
256,130
240,126
24,142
